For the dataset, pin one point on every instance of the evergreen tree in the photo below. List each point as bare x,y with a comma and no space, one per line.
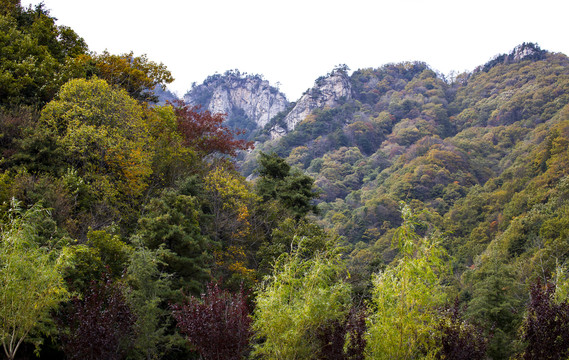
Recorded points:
495,305
292,189
171,221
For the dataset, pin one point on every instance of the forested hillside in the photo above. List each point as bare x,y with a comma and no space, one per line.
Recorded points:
394,213
483,153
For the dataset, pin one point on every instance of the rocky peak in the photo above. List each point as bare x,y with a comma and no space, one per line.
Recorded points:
328,91
525,51
244,97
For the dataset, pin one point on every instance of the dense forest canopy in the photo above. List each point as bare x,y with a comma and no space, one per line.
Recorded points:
419,216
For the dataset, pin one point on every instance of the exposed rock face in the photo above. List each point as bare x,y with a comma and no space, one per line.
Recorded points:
525,51
277,132
327,92
238,96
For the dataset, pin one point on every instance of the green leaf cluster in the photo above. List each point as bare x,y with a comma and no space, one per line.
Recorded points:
301,296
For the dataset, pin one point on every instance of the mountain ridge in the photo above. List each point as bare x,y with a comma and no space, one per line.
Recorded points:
250,102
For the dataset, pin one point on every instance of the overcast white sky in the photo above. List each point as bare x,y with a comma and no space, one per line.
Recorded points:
295,41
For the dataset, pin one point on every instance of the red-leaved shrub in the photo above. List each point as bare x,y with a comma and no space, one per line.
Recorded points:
217,325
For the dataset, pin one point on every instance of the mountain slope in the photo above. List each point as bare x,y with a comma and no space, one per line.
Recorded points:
407,133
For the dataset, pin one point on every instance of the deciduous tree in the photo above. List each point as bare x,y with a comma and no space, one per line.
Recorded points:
217,325
100,326
206,133
31,283
299,298
546,326
460,340
35,54
406,296
102,132
136,74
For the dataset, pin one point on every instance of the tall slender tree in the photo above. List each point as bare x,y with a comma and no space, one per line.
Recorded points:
31,280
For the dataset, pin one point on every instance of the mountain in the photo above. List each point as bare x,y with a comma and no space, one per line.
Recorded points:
405,132
459,181
482,156
484,152
248,100
164,95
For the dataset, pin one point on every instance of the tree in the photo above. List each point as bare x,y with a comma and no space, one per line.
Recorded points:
102,132
35,55
460,340
292,189
230,199
301,236
13,124
299,298
103,254
100,325
31,283
172,161
171,221
206,133
495,305
228,203
545,331
135,74
406,296
148,290
217,325
344,339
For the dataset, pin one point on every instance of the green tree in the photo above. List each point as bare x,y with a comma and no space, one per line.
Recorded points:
292,189
148,289
406,296
172,161
287,237
171,221
300,298
103,254
102,132
35,55
495,304
31,283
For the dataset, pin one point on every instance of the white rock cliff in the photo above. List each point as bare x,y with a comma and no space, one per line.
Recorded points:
327,92
231,92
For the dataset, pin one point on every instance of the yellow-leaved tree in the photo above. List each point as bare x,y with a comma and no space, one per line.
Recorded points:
231,200
103,135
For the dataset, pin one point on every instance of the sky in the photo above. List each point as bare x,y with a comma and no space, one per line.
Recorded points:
293,42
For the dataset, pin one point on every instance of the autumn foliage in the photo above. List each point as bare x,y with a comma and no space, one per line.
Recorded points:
546,328
100,325
206,133
217,325
460,340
